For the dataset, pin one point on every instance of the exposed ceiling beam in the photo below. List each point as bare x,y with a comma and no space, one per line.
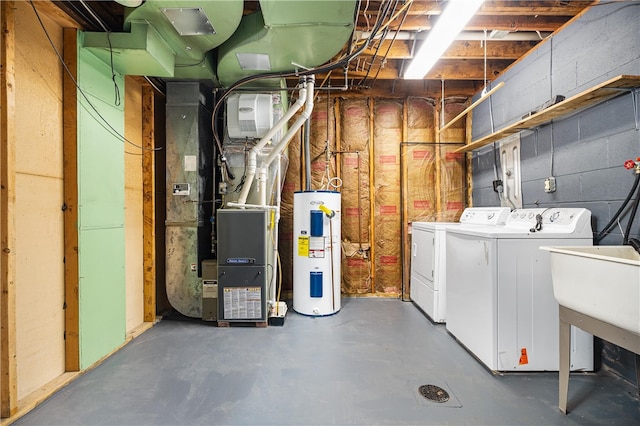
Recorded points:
511,7
479,23
448,69
401,49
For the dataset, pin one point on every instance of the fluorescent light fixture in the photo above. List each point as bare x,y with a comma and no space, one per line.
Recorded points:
452,20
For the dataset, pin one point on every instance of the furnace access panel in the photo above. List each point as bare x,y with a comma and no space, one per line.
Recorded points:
242,265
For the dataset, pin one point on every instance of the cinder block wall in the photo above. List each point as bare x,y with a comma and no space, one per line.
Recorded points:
586,149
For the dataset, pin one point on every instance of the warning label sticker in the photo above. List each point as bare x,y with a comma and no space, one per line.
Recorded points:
303,246
242,303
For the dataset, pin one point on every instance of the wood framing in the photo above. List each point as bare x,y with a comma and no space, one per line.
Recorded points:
148,203
437,117
8,378
372,199
70,171
338,147
404,215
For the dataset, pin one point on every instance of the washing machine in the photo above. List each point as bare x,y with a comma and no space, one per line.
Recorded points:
500,303
428,257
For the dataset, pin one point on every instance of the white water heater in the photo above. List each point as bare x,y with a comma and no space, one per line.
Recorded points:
316,252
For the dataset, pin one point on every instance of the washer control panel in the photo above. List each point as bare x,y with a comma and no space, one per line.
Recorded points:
485,215
553,219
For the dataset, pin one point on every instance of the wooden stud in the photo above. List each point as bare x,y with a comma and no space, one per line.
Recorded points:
469,162
372,193
8,389
437,114
148,203
337,121
70,171
404,191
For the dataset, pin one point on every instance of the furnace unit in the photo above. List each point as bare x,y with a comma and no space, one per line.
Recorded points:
243,260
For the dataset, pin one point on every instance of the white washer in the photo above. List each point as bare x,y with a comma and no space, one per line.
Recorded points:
500,302
428,257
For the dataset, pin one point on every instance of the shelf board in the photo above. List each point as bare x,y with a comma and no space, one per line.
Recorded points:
600,93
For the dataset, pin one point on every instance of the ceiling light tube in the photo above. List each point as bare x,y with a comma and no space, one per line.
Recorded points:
453,19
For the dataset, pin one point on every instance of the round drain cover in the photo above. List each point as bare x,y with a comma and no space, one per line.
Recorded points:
434,393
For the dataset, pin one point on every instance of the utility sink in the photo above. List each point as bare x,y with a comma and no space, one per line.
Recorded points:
602,282
598,290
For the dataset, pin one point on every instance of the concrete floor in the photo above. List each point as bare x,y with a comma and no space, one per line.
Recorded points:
361,366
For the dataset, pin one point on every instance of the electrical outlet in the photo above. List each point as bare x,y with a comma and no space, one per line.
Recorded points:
550,184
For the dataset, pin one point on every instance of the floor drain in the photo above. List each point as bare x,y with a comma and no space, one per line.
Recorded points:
434,393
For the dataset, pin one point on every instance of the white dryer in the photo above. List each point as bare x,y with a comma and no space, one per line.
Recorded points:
500,302
428,257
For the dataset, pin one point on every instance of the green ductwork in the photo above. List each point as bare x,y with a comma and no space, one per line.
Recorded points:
307,33
150,45
141,51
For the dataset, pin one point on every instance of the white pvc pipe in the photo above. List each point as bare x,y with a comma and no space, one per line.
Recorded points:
306,113
252,160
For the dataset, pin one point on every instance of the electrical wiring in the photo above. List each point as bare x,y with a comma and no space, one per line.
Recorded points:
607,229
103,120
284,74
106,30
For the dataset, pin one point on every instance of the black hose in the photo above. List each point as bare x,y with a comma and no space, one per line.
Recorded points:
613,220
634,210
635,244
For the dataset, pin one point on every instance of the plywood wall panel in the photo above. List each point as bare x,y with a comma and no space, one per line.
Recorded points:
133,205
39,199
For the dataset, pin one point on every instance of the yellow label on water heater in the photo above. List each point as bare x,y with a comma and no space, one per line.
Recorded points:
303,245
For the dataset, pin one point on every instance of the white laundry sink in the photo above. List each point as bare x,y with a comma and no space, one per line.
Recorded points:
602,282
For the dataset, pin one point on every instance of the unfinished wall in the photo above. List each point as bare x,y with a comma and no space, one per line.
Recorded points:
133,205
354,165
39,199
387,136
385,151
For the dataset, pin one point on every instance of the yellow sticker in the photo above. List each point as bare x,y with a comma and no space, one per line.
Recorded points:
303,245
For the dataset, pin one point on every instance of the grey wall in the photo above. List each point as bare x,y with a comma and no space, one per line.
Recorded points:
587,149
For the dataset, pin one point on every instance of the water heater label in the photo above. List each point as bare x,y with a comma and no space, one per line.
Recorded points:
242,303
303,246
316,247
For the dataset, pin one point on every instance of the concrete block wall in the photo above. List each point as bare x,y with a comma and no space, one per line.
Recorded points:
585,151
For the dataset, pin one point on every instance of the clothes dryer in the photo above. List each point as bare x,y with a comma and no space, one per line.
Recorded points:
428,257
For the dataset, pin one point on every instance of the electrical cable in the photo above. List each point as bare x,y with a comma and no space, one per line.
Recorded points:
108,32
635,243
605,231
632,216
109,127
325,68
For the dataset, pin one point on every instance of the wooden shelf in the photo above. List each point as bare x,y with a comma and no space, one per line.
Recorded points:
600,93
